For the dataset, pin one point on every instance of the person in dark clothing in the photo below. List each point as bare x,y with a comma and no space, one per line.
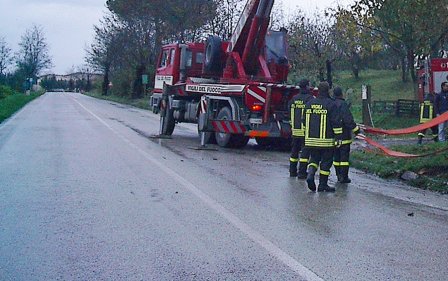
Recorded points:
440,107
427,113
322,131
342,153
297,106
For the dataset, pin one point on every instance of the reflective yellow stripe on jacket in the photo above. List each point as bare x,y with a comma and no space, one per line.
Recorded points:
426,111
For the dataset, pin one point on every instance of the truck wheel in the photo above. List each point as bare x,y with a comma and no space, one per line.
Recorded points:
239,141
229,140
213,54
168,122
210,138
264,142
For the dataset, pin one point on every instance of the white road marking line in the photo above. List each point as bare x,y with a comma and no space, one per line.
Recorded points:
255,236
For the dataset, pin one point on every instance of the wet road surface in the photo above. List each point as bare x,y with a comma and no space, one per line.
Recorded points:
87,194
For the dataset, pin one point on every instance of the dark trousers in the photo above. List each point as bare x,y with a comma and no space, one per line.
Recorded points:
322,157
341,162
342,156
298,147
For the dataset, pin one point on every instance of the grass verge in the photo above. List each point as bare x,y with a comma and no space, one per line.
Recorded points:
13,102
431,172
140,103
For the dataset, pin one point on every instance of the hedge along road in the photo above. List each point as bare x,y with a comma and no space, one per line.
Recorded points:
85,194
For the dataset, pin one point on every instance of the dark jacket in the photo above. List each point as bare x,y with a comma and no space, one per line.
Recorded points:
348,123
441,103
322,123
297,106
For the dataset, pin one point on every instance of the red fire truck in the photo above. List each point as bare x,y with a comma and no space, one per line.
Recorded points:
234,90
431,75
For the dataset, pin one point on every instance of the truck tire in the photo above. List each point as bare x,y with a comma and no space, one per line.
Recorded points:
168,122
264,142
229,140
213,54
210,138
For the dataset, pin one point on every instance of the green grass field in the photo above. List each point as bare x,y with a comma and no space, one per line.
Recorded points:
386,85
11,103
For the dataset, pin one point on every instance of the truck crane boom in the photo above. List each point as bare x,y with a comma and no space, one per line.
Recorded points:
248,39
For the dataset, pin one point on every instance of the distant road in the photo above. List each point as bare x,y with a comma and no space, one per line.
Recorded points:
86,193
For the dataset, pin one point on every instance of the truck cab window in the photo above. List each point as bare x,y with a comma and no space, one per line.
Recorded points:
189,56
200,58
164,60
172,54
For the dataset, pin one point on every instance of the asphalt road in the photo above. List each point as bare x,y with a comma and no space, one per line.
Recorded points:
86,193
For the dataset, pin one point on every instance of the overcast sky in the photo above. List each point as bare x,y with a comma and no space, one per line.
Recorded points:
68,24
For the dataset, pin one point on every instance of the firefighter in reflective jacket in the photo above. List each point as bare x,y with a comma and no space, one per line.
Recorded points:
322,133
427,113
297,106
342,154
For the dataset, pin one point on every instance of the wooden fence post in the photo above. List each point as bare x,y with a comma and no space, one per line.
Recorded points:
366,102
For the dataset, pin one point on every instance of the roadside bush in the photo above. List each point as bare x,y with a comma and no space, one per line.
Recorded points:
5,91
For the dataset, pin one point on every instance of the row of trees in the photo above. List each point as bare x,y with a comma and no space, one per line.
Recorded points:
51,83
31,59
370,34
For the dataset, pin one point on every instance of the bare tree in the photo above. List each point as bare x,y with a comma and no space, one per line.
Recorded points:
356,43
87,73
313,45
105,49
278,17
33,56
226,18
6,58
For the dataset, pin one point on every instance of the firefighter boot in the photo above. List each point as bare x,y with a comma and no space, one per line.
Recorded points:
338,173
344,175
323,184
310,178
292,169
302,171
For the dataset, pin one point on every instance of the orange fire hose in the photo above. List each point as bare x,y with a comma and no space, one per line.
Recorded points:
393,153
439,119
434,122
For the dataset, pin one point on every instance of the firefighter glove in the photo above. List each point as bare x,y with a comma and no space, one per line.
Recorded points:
357,130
